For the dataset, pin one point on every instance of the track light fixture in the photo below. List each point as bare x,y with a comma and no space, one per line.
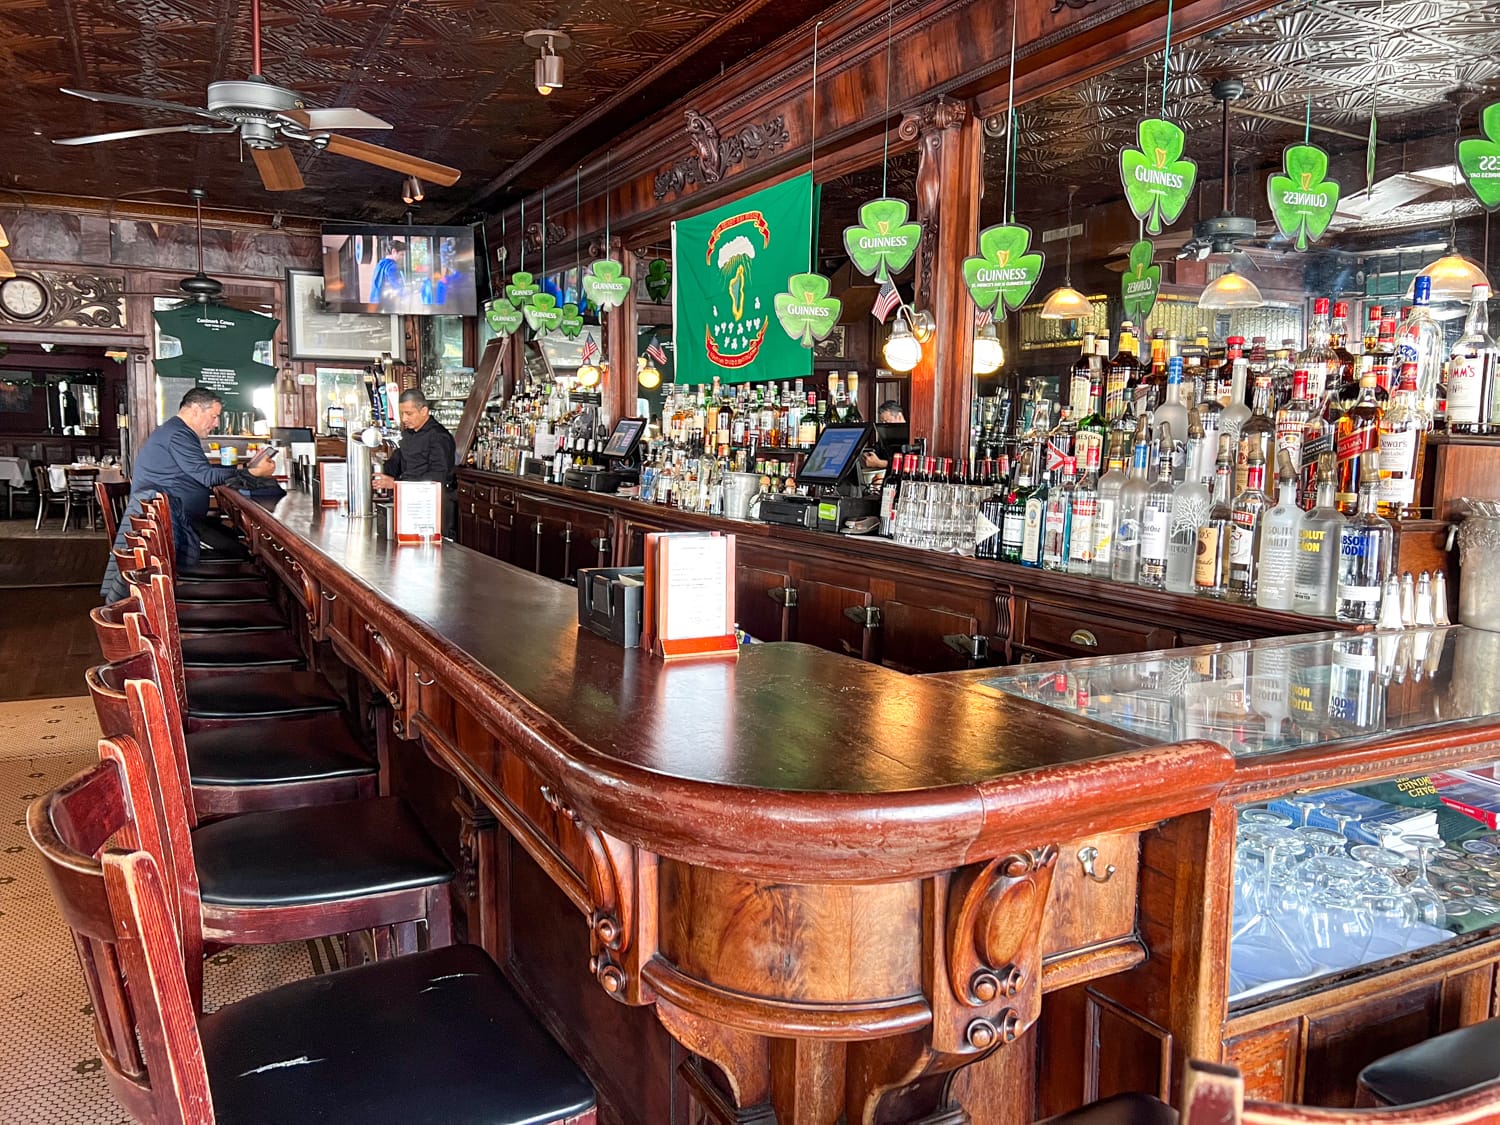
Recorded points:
411,190
548,72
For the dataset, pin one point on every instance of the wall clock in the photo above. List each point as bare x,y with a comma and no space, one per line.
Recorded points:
23,298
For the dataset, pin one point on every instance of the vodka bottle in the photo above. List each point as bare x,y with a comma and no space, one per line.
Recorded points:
1156,518
1211,563
1244,538
1365,547
1173,414
1315,573
1126,552
1107,513
1278,541
1190,504
1403,444
1421,342
1472,372
1234,416
1057,520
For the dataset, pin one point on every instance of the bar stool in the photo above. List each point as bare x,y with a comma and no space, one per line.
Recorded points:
279,764
113,497
221,586
207,652
1435,1068
286,874
238,620
463,1048
211,564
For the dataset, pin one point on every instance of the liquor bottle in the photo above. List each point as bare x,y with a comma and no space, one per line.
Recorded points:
1365,547
890,493
1472,371
1013,529
1234,350
1082,375
1125,553
807,428
1317,441
1420,341
711,416
1403,445
1258,433
1211,558
1107,513
1210,413
1092,426
1281,373
1345,372
1057,520
1173,414
724,426
1123,375
1085,512
1234,416
1152,389
1190,504
1244,537
1357,439
1315,573
990,522
1278,541
1033,516
1318,359
1382,356
1156,517
1291,420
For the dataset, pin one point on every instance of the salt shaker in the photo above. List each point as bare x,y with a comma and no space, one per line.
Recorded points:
1424,599
1440,599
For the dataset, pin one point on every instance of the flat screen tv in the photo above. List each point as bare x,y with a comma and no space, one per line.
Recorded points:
413,271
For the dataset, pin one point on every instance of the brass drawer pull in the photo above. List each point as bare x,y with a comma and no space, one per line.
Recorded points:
1084,639
424,683
1088,855
327,597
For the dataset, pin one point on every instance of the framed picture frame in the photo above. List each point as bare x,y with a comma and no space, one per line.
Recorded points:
834,346
315,332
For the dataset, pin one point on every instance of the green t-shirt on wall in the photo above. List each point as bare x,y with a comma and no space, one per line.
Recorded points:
218,349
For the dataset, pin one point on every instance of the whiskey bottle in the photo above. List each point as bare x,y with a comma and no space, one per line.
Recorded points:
1365,547
1013,529
1082,375
1403,444
1357,439
1211,560
1124,373
1472,371
1257,434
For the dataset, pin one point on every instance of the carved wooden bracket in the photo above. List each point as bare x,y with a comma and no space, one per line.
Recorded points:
556,233
927,125
990,987
477,878
75,300
713,154
1059,5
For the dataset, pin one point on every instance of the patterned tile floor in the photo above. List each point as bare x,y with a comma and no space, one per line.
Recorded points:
50,1072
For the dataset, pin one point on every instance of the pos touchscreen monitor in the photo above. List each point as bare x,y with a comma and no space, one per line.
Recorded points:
834,457
624,439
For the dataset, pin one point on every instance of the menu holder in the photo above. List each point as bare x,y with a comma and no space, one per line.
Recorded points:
333,484
418,508
689,601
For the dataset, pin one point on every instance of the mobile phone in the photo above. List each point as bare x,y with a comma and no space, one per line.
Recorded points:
265,453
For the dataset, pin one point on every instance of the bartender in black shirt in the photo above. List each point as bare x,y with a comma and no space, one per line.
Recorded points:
426,452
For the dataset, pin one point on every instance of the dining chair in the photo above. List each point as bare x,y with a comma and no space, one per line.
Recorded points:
79,485
113,497
48,496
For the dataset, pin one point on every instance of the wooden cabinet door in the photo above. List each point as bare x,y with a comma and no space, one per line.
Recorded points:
554,544
592,543
503,533
760,602
841,618
940,628
467,515
633,540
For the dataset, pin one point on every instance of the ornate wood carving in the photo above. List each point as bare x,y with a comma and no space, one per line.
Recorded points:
556,233
477,884
76,300
715,155
1077,5
927,125
743,1059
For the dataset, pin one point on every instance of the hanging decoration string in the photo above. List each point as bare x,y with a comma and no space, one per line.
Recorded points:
1010,118
1307,123
885,156
1166,60
609,247
523,235
578,219
812,155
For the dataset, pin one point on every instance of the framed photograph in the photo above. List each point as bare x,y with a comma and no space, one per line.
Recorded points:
833,347
316,332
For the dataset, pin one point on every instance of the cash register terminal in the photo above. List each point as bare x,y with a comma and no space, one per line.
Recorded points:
621,457
831,475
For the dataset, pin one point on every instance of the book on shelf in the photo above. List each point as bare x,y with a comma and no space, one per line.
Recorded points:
1473,792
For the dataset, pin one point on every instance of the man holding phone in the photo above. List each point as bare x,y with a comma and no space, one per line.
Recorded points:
172,461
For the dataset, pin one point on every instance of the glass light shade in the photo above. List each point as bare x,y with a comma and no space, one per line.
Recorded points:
902,350
1066,303
6,269
4,238
588,375
648,376
1453,277
1231,291
989,355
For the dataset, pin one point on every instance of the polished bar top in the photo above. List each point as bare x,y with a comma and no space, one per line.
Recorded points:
808,741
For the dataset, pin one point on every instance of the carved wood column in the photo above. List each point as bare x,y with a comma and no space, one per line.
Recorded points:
950,150
619,346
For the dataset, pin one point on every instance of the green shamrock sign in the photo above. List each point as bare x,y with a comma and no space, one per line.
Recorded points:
884,242
1479,159
570,321
805,310
1157,180
521,289
542,313
659,280
1004,274
503,317
1142,280
1301,199
605,284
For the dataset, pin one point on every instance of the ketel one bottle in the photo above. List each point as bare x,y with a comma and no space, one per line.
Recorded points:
1244,537
1156,518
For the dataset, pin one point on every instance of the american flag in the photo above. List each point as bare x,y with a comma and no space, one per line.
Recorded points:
983,317
590,349
886,300
655,352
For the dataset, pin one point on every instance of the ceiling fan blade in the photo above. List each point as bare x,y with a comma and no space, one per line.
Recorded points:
141,103
341,117
389,158
125,134
278,168
244,304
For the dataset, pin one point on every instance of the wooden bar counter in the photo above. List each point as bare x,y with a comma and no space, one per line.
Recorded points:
836,883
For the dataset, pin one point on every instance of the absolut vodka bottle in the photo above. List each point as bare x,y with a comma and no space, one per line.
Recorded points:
1278,541
1126,559
1365,547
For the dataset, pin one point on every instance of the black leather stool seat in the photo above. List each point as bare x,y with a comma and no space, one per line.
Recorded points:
436,1037
226,591
314,749
1122,1109
1437,1067
256,617
299,857
217,570
241,650
260,695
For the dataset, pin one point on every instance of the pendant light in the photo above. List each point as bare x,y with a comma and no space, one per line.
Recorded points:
903,348
1064,302
647,374
549,67
989,353
1453,275
6,269
589,375
1232,290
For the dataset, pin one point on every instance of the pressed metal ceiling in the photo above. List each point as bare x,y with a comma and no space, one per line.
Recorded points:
452,76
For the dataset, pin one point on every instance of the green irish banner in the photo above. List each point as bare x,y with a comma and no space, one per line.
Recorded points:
728,265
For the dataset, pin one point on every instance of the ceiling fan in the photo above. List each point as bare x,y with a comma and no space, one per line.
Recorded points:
1223,233
200,287
266,116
